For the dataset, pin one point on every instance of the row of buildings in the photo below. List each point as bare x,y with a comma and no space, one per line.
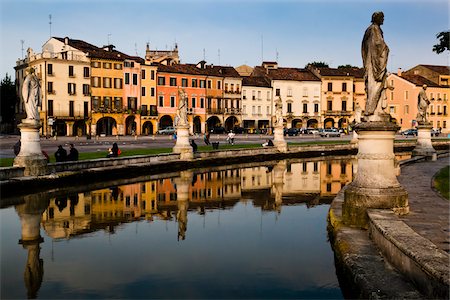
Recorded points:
90,90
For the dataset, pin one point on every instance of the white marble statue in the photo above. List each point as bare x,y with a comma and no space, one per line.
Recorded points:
278,112
31,93
422,106
182,108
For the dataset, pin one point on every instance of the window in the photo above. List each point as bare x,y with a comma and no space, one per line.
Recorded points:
209,84
219,85
184,82
268,110
95,64
50,69
50,108
127,78
444,124
117,102
86,89
406,109
329,168
289,92
106,65
161,100
305,92
304,167
243,95
259,95
107,82
305,108
161,80
194,82
71,74
152,74
86,72
406,95
344,105
259,110
202,84
344,86
107,102
329,105
202,102
50,87
277,92
226,87
152,92
330,87
143,91
71,88
237,88
316,167
194,104
118,83
173,81
268,95
95,102
316,107
118,66
86,109
142,74
144,109
253,95
289,107
444,109
135,79
392,95
71,109
172,101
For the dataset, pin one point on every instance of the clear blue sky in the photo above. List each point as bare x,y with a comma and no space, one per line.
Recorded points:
244,31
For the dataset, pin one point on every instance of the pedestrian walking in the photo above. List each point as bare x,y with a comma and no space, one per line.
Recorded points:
206,138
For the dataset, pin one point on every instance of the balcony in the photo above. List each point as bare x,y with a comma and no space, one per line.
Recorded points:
337,113
53,92
215,111
233,111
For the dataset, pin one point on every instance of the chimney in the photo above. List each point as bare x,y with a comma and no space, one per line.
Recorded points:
66,40
399,72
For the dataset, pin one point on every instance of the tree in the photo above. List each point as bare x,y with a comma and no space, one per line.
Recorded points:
346,67
318,64
443,42
8,100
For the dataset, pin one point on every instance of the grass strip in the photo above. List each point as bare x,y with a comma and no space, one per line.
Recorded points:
441,182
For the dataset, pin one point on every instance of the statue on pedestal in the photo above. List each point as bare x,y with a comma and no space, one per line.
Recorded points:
375,55
182,108
31,93
278,112
422,106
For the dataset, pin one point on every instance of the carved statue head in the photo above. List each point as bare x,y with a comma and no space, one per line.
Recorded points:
424,86
378,17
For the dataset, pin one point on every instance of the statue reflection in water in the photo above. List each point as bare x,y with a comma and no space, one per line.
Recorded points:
183,183
30,214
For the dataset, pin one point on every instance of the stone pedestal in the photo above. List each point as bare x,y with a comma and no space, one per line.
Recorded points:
424,146
278,183
30,156
278,140
375,184
354,139
182,144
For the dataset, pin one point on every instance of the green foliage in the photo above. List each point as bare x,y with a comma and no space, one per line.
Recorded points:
346,67
441,182
444,42
318,64
8,99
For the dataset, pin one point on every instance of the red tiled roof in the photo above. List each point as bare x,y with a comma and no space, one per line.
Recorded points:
442,70
260,81
286,74
419,80
94,51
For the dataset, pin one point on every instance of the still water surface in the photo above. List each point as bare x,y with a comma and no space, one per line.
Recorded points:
257,232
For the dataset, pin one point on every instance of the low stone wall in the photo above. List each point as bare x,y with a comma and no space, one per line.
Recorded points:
11,172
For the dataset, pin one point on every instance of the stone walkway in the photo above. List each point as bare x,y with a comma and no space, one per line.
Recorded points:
429,211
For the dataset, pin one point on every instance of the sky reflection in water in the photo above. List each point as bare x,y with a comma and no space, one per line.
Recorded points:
249,247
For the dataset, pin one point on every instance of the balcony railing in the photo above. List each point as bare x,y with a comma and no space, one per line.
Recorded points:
233,110
337,113
215,111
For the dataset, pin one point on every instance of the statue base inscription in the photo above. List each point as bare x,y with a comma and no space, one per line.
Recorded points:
182,144
30,156
376,184
424,147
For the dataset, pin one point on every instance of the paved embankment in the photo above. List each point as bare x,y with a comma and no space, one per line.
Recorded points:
415,261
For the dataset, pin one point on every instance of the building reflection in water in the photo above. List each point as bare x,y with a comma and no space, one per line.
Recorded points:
269,187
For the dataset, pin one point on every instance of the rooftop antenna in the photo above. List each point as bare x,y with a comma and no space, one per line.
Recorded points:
204,54
262,48
109,34
218,54
50,23
22,42
135,48
276,51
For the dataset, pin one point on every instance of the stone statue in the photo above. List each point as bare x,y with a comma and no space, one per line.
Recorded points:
278,112
182,108
422,106
31,93
375,55
358,113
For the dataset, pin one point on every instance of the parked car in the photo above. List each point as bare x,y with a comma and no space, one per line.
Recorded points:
330,132
291,131
218,130
312,130
167,130
435,132
409,132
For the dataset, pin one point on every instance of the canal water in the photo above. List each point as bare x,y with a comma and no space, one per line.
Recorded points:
258,231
